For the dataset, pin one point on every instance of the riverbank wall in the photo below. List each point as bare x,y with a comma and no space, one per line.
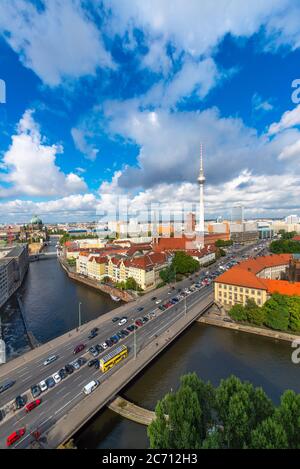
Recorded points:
104,288
213,321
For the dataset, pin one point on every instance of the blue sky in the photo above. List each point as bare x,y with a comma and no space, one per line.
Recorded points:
109,99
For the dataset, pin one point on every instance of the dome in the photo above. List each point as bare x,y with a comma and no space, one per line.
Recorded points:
36,221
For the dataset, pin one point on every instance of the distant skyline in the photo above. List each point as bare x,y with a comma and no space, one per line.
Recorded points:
112,98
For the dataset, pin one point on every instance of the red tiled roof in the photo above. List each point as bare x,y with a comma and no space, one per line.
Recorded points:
296,238
146,261
283,287
245,273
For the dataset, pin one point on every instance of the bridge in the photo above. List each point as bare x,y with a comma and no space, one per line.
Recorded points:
42,256
65,409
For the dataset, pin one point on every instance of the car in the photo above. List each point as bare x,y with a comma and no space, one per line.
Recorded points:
95,329
97,364
20,401
92,335
69,369
119,335
157,302
130,328
92,362
2,414
125,333
32,405
140,308
162,308
145,319
50,382
90,387
35,391
109,343
78,348
122,322
15,436
62,373
50,359
43,386
6,385
75,365
154,298
99,348
93,351
138,322
56,377
114,339
115,319
104,345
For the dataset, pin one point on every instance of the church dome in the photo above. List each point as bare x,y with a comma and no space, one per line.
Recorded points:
36,221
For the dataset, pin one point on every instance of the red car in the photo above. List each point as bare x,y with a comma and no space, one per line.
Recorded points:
138,322
78,348
15,436
32,405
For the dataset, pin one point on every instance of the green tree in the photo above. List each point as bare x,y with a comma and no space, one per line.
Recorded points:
288,414
238,313
269,434
276,312
182,263
293,303
255,314
131,284
240,408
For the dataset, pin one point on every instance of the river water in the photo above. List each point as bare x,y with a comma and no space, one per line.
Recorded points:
51,303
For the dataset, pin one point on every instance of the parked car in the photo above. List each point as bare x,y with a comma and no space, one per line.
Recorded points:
125,333
56,377
138,322
104,345
145,319
99,348
97,364
62,373
69,369
82,361
75,365
93,351
43,386
50,382
50,360
2,414
78,348
15,436
32,405
130,328
154,298
115,319
95,329
109,343
35,391
20,402
6,385
140,308
92,362
157,302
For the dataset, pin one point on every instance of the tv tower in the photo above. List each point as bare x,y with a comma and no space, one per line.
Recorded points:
201,181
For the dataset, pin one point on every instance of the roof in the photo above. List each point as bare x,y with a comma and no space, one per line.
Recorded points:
283,287
245,273
296,238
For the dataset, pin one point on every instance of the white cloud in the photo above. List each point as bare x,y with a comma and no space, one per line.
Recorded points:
30,167
288,119
59,41
258,104
80,137
291,152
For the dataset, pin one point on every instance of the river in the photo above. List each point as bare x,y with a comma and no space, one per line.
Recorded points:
51,302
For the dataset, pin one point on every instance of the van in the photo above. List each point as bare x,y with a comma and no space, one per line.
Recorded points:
50,359
90,387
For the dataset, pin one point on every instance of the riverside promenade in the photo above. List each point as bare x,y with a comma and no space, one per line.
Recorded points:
219,322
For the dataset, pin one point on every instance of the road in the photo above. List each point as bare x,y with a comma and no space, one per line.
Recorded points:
57,401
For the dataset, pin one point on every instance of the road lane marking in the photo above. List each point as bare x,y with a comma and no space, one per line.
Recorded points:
69,402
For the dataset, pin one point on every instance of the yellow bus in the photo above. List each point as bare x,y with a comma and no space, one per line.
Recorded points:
113,357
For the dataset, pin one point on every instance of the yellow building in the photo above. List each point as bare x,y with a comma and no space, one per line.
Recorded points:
254,279
96,267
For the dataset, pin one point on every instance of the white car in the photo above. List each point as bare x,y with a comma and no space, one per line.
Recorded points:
43,386
50,359
157,302
75,365
123,321
56,378
104,345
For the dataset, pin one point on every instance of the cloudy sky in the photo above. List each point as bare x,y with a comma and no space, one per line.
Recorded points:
112,98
